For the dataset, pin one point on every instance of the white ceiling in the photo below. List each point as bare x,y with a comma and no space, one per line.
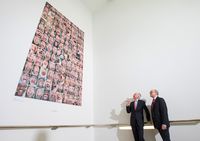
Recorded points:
95,5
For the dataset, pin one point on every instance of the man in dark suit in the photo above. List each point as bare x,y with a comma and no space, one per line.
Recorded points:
137,118
160,115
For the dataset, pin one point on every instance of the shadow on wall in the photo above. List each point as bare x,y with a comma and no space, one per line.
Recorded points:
124,118
41,136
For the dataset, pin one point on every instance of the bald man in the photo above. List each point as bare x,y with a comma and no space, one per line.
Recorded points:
160,115
136,109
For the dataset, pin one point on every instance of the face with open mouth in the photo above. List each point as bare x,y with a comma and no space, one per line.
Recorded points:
33,80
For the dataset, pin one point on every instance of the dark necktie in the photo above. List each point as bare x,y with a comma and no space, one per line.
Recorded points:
153,102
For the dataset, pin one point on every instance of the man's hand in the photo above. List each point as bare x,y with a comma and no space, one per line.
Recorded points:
128,102
164,127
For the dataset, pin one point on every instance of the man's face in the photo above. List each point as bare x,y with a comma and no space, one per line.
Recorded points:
30,91
59,97
41,82
36,39
33,80
39,93
153,93
36,70
45,64
48,84
20,90
136,96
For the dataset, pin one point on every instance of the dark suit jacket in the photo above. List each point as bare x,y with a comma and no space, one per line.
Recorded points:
137,115
159,113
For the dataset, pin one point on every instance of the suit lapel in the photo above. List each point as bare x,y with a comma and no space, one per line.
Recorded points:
153,104
156,101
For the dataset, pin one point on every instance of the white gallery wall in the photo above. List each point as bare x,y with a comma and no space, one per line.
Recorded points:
140,45
129,46
19,20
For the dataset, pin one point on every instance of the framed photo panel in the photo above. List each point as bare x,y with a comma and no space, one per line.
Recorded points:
53,69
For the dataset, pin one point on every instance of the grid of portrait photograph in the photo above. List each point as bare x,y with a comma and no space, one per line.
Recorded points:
53,70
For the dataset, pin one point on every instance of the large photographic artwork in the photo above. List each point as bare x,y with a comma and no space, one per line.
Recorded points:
53,70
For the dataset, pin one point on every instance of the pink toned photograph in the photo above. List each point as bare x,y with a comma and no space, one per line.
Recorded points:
54,66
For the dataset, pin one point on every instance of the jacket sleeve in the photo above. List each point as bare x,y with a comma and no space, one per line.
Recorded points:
128,108
147,112
163,112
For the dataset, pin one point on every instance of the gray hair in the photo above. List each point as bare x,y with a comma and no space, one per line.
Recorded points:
154,90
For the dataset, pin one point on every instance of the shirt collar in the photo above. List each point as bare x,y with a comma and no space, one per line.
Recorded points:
155,97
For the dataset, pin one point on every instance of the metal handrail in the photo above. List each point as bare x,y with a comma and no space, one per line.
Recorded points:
54,127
